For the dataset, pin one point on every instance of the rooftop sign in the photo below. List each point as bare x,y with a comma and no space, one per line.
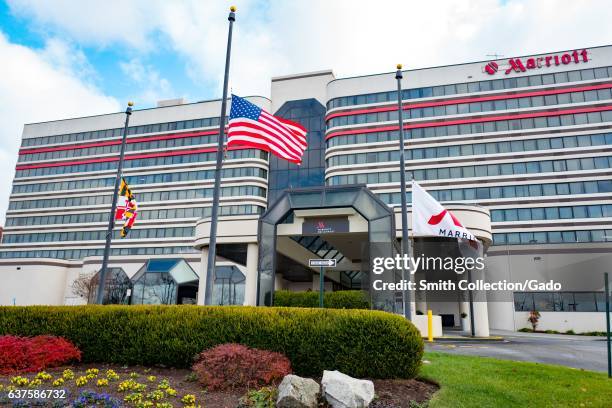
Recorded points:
522,65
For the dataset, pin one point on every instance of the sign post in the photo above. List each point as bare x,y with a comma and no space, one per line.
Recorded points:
607,288
322,263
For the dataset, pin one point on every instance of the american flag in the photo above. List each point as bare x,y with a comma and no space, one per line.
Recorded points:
251,126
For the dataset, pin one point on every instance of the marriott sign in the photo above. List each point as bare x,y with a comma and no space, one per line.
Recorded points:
522,65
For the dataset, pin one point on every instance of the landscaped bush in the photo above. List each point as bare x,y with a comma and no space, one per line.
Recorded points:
29,354
360,343
234,365
343,299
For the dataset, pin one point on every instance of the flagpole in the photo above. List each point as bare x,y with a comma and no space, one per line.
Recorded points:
212,246
111,216
406,295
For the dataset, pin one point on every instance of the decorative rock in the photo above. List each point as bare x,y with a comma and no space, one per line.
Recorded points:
297,392
343,391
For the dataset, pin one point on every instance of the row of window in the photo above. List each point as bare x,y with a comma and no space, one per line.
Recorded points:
473,149
132,130
171,232
82,253
480,127
152,161
552,213
483,170
157,178
560,301
552,237
130,147
473,87
529,190
474,107
197,212
187,194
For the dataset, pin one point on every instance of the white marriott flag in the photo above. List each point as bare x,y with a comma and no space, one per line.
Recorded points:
430,219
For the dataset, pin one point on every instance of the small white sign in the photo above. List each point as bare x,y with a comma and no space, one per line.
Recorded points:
328,263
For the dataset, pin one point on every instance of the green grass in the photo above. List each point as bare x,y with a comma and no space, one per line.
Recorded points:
486,382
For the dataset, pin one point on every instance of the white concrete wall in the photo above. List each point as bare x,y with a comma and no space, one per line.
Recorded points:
38,284
579,322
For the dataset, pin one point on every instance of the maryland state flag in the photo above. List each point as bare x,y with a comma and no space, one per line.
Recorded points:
127,210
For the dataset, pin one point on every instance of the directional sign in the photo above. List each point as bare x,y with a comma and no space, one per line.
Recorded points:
328,263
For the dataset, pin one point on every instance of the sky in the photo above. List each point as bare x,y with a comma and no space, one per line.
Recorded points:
71,58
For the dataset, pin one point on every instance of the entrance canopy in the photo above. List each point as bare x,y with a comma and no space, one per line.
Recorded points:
380,235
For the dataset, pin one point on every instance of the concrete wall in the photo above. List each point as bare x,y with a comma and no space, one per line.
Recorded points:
25,284
579,322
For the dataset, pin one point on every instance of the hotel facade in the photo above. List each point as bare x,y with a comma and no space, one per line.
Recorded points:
519,149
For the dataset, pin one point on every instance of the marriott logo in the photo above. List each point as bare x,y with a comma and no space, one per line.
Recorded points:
522,65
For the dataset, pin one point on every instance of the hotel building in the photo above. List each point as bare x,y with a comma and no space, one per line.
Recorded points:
519,149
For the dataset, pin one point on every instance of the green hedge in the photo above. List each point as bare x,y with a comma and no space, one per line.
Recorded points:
342,299
360,343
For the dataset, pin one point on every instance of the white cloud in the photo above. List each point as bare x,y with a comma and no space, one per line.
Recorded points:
37,86
352,37
152,86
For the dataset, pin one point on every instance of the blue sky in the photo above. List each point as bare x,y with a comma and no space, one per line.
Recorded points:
70,58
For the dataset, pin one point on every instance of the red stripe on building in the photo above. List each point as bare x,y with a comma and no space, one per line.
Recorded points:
469,121
127,157
118,142
486,98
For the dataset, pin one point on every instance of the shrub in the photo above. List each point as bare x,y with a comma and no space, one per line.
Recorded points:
235,365
343,299
360,343
29,354
262,398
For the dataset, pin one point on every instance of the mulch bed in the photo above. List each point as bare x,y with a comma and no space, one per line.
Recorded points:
391,393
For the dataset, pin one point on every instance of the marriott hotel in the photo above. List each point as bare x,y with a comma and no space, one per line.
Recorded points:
518,149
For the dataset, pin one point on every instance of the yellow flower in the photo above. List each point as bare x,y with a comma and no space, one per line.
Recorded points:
34,383
92,371
81,381
20,381
152,378
171,392
102,382
155,395
43,376
112,375
188,399
67,374
134,397
164,405
58,382
163,384
133,375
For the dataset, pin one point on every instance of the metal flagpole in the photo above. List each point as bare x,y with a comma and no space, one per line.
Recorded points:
406,296
111,216
212,246
607,289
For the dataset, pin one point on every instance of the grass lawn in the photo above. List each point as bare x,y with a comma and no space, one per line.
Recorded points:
486,382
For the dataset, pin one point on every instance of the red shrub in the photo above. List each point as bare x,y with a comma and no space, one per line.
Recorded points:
28,354
236,366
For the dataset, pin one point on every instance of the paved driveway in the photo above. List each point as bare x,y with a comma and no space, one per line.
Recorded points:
572,351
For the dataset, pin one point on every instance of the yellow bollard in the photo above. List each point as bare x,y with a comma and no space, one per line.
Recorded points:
429,326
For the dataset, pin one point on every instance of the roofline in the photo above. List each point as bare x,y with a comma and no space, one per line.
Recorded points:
465,63
303,75
144,109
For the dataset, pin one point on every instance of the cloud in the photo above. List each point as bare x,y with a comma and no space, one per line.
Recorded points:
36,86
279,37
153,87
